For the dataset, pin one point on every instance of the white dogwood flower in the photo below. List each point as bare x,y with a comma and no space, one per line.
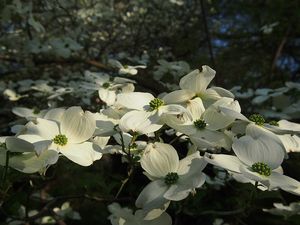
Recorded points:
201,128
69,137
27,161
125,216
285,210
259,155
126,69
195,84
172,179
28,113
107,88
146,113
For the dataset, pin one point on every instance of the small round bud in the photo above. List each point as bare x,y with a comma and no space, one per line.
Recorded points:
156,103
36,111
274,123
171,178
257,119
60,139
200,124
106,85
261,168
133,147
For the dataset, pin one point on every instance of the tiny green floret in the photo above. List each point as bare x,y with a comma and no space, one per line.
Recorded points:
36,111
133,147
156,103
274,123
60,139
171,178
261,168
257,119
200,124
106,85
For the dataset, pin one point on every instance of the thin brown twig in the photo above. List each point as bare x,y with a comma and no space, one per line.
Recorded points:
124,182
279,51
205,24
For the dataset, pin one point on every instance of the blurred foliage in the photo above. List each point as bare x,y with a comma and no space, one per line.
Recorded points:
253,42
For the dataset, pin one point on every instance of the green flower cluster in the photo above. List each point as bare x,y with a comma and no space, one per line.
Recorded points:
274,123
257,119
60,139
200,124
171,178
156,103
261,168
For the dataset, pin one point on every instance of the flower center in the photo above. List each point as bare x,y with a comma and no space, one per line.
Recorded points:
106,85
171,178
156,103
261,168
133,147
274,123
36,111
199,95
60,139
200,124
257,119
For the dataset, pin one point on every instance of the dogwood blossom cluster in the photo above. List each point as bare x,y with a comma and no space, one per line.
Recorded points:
208,119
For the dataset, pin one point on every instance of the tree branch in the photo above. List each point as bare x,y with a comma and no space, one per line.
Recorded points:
204,17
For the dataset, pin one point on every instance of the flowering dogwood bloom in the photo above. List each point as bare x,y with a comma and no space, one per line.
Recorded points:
147,111
14,144
107,88
286,131
126,69
285,210
125,216
195,84
12,95
259,155
31,163
28,113
27,161
258,120
172,179
69,137
203,133
291,142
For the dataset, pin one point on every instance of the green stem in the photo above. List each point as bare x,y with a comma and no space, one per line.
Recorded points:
124,182
253,196
122,142
4,174
134,137
130,161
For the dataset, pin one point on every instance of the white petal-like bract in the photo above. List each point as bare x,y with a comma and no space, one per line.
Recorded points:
78,126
